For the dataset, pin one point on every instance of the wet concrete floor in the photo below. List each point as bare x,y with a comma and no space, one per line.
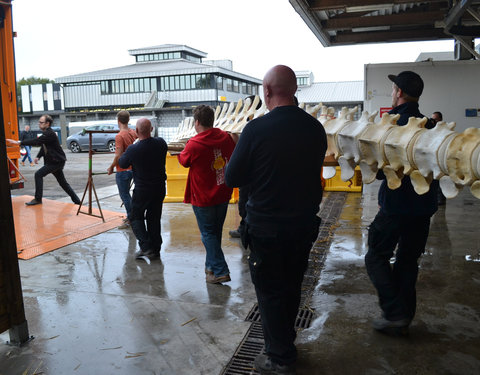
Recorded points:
93,309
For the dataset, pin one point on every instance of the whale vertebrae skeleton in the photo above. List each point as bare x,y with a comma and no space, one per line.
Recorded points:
422,154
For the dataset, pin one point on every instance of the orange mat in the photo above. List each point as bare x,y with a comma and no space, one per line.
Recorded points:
52,225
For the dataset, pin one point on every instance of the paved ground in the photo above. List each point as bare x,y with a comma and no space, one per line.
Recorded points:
94,309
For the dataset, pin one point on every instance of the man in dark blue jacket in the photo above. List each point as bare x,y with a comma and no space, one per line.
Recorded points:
403,220
280,157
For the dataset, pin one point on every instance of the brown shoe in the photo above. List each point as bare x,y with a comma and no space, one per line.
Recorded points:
22,162
125,224
212,279
32,164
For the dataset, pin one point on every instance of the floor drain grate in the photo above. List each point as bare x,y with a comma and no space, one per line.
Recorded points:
303,320
253,343
251,346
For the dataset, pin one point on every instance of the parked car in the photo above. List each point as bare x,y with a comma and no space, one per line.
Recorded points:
80,141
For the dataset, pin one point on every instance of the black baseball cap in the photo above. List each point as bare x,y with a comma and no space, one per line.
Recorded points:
410,82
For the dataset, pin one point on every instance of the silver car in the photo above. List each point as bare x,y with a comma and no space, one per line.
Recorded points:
79,141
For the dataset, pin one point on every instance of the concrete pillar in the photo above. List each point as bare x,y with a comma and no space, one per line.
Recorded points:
63,128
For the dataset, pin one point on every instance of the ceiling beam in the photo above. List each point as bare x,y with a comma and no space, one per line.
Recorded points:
417,18
345,38
318,5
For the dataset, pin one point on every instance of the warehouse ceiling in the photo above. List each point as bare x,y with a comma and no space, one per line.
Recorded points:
348,22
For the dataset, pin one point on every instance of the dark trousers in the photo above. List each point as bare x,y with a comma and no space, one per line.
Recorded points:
57,171
395,283
277,266
147,207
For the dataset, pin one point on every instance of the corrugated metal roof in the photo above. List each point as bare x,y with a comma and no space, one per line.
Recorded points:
154,69
331,92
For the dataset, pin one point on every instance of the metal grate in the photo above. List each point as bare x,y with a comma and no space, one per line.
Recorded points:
251,346
303,320
253,342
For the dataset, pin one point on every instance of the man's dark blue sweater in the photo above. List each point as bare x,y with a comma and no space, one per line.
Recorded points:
280,156
404,200
147,158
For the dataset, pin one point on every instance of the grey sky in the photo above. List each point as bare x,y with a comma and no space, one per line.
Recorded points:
64,37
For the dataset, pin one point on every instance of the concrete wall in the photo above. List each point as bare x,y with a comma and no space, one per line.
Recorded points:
451,87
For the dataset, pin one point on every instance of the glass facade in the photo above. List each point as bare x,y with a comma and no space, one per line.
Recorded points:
175,83
167,56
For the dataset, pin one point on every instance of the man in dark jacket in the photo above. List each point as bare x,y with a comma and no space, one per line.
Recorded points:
24,135
403,220
280,157
147,159
54,160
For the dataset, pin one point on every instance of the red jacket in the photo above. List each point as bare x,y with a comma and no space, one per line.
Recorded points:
207,155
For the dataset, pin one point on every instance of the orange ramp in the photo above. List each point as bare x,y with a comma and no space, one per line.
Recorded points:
53,224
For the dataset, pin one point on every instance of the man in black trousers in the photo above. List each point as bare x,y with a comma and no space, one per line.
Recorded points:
54,160
147,158
402,224
280,157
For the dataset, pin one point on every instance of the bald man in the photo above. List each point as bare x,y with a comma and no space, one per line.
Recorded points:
149,191
279,156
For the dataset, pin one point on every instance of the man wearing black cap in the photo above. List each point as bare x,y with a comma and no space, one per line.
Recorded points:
403,220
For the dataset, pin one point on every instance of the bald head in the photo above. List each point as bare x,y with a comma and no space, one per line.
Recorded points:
144,128
279,86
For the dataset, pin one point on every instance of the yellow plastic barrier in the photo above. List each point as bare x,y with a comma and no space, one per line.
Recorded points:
336,184
177,181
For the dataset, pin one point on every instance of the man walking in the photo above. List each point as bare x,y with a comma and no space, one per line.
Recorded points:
123,177
207,154
280,157
403,220
147,159
54,160
25,135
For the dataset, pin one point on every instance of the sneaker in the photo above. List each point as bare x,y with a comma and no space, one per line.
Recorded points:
391,326
265,365
212,279
33,202
125,224
234,233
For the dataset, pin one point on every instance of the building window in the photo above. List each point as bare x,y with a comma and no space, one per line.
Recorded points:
219,83
244,88
302,81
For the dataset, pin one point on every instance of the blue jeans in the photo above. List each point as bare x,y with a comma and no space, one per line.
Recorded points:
27,154
210,222
124,179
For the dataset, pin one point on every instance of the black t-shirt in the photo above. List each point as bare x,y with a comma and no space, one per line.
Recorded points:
147,158
280,156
